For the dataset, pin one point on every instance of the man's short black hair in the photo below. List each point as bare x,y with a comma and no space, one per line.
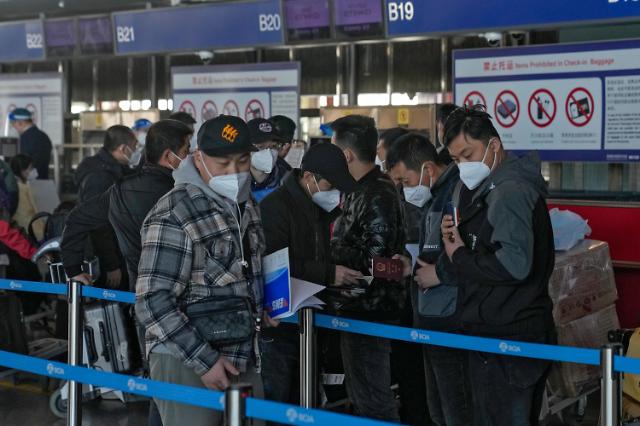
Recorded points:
117,135
473,122
413,150
20,163
359,134
183,117
389,136
443,111
165,134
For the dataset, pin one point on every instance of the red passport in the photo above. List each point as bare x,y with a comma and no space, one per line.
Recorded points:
388,269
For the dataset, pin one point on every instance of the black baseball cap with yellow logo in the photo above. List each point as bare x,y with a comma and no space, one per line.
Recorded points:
224,135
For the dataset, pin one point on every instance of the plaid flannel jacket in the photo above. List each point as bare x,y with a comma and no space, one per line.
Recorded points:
191,250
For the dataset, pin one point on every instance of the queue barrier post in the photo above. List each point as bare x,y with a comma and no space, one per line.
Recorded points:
610,386
74,403
308,363
235,404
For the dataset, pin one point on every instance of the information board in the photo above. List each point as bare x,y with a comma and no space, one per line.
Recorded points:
358,18
307,20
247,91
572,102
413,17
21,41
40,93
219,25
60,37
95,35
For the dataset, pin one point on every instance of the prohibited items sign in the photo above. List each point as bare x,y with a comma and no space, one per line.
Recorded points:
580,107
542,108
507,108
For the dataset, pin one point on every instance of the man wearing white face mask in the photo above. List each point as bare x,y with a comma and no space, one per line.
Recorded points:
503,255
298,215
265,173
428,184
201,264
94,176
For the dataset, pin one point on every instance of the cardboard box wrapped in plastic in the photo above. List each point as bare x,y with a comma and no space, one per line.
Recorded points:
588,332
582,281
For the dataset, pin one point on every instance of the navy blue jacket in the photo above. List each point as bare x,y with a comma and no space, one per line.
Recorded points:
36,144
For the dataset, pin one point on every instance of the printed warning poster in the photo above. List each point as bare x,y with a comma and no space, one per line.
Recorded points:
247,91
40,93
570,102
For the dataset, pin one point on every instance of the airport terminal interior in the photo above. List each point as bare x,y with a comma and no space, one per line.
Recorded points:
328,212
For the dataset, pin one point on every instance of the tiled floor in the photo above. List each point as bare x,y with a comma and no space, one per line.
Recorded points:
27,404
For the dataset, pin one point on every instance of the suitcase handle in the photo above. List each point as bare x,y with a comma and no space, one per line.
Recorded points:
89,337
105,342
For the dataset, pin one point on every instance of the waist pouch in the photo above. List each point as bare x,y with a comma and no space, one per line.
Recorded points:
223,320
440,301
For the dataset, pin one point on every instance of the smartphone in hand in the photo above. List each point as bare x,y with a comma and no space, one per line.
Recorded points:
452,210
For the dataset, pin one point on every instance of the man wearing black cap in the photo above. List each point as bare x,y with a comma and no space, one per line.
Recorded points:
264,171
298,215
286,129
201,267
33,142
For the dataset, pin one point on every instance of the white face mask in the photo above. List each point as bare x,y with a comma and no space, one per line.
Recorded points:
234,186
142,138
33,175
418,195
326,200
264,160
294,157
380,163
182,163
473,173
135,158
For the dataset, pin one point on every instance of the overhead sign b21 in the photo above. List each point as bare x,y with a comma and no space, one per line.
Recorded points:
571,102
211,26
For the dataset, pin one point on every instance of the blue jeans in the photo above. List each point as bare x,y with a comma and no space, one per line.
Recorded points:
367,370
448,390
506,390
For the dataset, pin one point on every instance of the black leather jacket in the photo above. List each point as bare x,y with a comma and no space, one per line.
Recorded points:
371,225
124,208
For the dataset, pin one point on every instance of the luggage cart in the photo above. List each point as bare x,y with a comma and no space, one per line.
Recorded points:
106,340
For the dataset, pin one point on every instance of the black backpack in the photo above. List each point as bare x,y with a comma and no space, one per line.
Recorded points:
54,225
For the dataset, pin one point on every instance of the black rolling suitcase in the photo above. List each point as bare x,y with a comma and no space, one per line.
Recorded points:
13,337
108,338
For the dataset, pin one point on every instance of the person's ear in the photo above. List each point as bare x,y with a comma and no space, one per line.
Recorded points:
429,172
496,144
348,155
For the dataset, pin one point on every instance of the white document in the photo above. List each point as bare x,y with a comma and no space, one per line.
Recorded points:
283,295
413,249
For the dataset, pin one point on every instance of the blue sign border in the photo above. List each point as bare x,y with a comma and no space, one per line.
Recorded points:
433,17
601,155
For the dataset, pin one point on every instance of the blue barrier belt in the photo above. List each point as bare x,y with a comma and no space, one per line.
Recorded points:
497,346
482,344
626,365
109,295
256,408
167,391
33,287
